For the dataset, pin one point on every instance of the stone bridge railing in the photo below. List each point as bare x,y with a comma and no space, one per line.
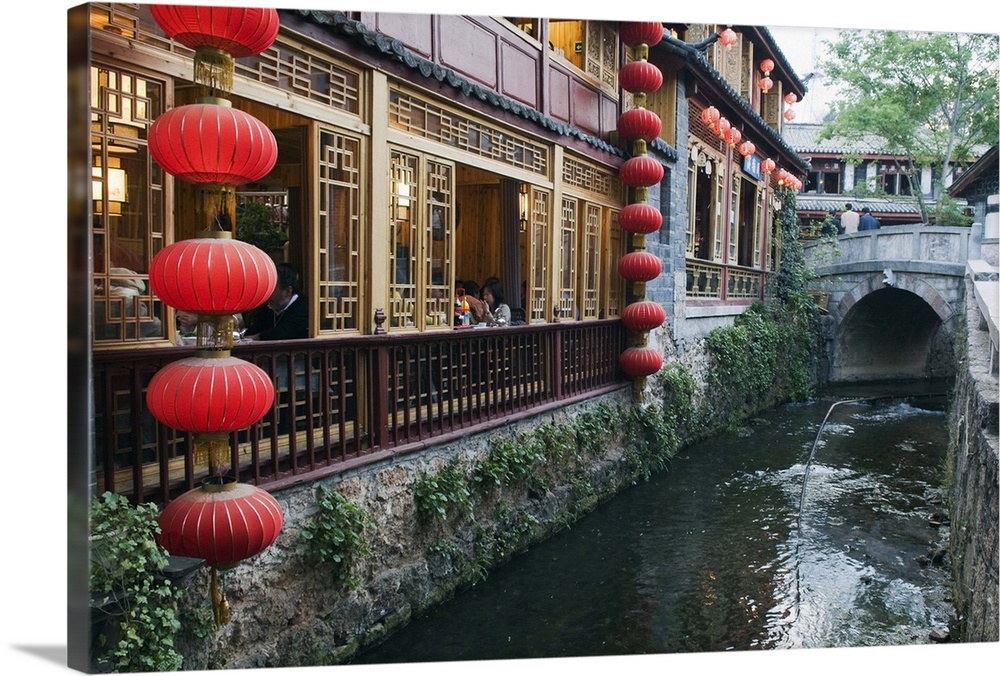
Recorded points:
941,250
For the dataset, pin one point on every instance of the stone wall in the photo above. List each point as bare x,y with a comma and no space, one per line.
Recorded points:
974,493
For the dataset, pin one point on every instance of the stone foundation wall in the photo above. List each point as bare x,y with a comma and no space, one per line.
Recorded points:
974,495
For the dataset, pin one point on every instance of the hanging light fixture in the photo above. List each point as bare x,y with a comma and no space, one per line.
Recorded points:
767,166
789,115
522,206
791,98
747,148
727,38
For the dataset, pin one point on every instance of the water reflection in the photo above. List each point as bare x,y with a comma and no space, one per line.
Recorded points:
715,555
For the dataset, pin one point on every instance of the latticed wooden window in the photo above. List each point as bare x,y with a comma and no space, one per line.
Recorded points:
614,249
339,236
128,226
538,254
718,210
590,260
567,257
422,241
601,50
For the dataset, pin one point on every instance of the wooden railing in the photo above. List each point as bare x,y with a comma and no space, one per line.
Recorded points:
715,281
342,402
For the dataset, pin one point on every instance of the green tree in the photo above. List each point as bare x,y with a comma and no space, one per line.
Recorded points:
930,97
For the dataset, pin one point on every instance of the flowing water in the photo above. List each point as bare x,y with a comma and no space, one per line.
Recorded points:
780,536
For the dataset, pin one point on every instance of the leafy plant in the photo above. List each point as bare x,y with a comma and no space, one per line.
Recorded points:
254,225
511,462
440,493
126,583
336,534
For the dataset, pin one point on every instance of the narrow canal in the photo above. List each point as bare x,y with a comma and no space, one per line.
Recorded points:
778,536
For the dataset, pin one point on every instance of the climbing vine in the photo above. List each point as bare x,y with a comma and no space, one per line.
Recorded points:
337,534
140,606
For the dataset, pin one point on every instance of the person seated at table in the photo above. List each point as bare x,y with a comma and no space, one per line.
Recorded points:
285,315
477,308
497,310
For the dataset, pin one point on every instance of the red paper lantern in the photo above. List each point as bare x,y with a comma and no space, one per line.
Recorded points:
640,362
212,143
210,394
732,136
727,37
640,76
633,33
213,275
710,116
747,148
766,66
780,176
643,316
640,218
789,115
222,523
642,170
639,123
723,126
791,98
240,31
639,266
765,84
767,166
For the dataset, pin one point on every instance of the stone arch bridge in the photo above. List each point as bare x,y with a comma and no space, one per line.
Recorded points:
895,299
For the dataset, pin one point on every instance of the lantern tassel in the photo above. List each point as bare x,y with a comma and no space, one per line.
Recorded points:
220,606
214,69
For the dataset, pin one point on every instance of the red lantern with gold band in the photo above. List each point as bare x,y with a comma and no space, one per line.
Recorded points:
212,143
641,171
240,31
710,116
640,218
212,275
767,166
747,148
643,315
210,394
639,266
640,76
633,33
639,123
640,362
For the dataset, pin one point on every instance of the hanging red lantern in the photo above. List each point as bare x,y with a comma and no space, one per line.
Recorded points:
212,275
766,66
212,143
710,115
640,362
723,126
789,115
639,266
240,31
767,166
633,33
727,38
732,136
640,218
642,170
209,394
791,98
747,148
643,316
765,84
640,77
780,176
639,123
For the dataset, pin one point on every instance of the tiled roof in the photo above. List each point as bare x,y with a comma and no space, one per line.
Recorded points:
882,205
804,137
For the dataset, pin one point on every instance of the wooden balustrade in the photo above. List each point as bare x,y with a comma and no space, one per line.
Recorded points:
340,402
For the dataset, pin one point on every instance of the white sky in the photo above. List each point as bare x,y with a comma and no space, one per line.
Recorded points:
33,569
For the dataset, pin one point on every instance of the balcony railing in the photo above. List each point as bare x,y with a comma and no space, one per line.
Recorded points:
715,281
342,402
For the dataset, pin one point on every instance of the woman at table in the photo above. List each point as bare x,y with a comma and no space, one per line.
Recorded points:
497,310
477,308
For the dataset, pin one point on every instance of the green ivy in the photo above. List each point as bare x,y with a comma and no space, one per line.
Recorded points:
337,534
126,582
511,462
438,495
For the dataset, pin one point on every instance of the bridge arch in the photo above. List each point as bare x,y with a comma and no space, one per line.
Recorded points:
900,331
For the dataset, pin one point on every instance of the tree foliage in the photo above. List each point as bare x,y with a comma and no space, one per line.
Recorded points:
931,98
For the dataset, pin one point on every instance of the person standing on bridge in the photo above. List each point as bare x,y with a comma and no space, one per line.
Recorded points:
867,221
849,219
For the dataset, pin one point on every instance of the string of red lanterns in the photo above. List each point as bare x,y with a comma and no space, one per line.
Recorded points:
212,393
640,126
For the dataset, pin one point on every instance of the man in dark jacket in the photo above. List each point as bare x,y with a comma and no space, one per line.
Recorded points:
286,313
867,221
